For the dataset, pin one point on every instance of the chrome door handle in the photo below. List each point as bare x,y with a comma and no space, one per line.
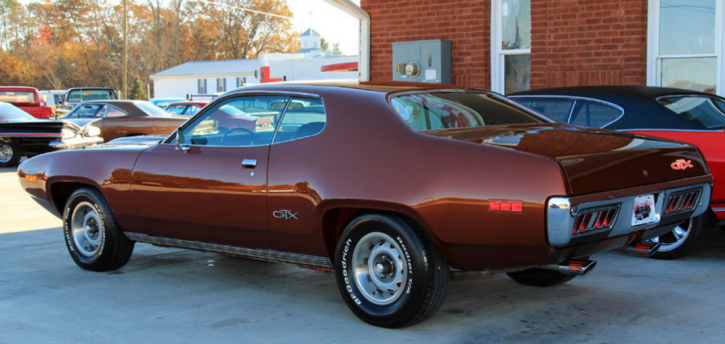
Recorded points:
249,163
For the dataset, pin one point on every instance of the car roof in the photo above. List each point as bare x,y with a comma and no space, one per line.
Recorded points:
18,88
650,92
313,87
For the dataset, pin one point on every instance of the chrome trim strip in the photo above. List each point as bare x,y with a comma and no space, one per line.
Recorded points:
718,209
287,257
674,130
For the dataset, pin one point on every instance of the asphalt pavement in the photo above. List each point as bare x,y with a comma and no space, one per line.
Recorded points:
176,296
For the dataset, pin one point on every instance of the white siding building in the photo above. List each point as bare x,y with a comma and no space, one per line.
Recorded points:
205,77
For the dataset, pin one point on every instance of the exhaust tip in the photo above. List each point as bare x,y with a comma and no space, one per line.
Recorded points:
646,249
578,267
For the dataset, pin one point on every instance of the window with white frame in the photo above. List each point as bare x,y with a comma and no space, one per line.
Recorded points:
685,44
221,84
201,86
510,45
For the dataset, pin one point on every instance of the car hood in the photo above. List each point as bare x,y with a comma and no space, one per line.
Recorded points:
80,121
43,125
593,160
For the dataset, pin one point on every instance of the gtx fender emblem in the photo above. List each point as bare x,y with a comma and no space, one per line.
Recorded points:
285,214
681,164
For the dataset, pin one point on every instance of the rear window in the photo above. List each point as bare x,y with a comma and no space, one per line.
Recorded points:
150,108
447,110
18,97
79,96
705,111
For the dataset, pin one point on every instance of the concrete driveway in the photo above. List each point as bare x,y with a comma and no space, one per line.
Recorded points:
176,296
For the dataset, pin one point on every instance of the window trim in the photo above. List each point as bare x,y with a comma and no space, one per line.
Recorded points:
498,54
654,59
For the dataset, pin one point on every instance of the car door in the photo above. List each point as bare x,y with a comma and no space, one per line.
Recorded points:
212,185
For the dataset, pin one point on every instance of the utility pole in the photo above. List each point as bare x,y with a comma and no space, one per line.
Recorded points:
125,50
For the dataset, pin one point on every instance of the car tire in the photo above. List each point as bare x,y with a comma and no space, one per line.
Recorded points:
389,272
685,238
92,236
537,277
9,154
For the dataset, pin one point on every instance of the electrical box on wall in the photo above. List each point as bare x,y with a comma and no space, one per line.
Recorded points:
422,61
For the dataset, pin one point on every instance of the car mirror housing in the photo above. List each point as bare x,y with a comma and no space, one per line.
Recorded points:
180,144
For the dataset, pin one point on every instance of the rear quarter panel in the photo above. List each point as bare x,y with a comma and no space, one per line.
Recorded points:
368,158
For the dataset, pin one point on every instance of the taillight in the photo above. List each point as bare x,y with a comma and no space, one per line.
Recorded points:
681,201
596,219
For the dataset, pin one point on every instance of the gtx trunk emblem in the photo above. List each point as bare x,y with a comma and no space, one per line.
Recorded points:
681,164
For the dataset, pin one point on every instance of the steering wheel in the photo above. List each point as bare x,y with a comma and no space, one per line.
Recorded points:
254,135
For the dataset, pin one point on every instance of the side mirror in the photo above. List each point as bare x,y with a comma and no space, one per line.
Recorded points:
180,143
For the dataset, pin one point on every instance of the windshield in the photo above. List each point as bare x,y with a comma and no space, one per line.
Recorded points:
10,112
18,97
82,95
705,111
446,110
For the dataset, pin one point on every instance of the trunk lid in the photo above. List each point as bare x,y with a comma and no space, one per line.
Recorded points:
593,160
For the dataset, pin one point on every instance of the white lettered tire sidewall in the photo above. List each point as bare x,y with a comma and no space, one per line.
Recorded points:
91,234
407,307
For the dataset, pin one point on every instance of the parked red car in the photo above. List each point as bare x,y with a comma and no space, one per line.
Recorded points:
186,108
26,99
388,185
689,116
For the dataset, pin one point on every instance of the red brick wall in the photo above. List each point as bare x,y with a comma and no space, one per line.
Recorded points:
465,22
574,42
588,42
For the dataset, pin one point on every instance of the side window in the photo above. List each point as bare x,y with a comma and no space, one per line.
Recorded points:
242,121
558,109
304,117
115,112
192,110
89,111
591,114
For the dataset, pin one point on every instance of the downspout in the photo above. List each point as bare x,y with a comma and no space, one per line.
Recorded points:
354,10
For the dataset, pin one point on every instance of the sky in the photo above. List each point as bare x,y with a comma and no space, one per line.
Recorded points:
334,25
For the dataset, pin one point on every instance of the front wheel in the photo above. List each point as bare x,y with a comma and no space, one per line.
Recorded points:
685,238
388,271
92,236
9,154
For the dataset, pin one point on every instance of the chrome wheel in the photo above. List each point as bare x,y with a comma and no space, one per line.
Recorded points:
674,239
6,152
380,271
87,229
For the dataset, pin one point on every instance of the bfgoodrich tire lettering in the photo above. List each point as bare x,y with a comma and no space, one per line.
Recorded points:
92,236
388,272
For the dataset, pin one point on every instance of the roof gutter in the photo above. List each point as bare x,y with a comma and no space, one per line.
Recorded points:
355,11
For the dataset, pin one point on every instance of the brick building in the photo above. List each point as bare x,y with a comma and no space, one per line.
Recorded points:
507,45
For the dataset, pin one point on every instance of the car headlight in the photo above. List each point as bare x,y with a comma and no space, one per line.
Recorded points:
66,133
91,130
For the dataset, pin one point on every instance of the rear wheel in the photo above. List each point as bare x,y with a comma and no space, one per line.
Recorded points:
9,154
388,271
685,238
92,236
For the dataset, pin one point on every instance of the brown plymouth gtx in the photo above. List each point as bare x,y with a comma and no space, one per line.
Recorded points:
112,119
391,186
